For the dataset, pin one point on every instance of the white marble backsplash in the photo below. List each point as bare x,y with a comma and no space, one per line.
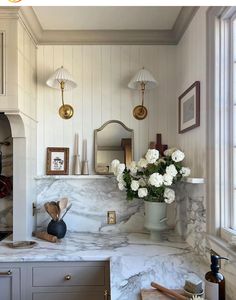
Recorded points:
191,215
91,199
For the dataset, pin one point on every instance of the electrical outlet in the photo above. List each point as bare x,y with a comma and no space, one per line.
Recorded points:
111,217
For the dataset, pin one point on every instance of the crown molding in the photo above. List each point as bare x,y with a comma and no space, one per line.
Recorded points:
9,12
103,37
31,23
107,37
183,20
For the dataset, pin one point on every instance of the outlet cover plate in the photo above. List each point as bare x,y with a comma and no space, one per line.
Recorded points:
111,217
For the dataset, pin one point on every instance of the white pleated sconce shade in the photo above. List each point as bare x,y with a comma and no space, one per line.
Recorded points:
142,80
61,75
143,76
63,80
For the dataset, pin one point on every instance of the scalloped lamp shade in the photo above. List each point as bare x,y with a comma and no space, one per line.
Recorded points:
142,76
61,75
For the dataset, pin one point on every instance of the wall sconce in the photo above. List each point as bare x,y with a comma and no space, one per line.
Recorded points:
142,80
62,79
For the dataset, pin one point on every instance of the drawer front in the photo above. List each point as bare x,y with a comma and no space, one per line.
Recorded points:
68,276
69,296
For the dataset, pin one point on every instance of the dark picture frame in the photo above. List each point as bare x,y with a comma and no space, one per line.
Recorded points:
189,108
57,161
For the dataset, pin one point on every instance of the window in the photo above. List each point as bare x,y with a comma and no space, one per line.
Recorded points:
221,126
233,205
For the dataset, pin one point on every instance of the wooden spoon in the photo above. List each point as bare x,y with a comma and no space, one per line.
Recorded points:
52,210
62,203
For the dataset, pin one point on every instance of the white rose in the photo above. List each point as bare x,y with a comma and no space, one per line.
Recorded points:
168,152
121,186
142,182
171,170
120,169
142,163
177,156
156,179
114,164
168,179
185,171
152,155
120,179
133,168
169,195
134,185
142,192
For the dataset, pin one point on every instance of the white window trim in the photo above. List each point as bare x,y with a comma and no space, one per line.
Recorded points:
218,187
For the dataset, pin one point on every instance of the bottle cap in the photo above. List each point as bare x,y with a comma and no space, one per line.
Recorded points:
215,262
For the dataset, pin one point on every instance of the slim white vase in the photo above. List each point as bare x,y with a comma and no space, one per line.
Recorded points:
155,219
77,165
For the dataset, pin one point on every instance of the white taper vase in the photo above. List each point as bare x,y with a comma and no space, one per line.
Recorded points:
77,165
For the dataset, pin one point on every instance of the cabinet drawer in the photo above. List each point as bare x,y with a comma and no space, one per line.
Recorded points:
68,276
69,296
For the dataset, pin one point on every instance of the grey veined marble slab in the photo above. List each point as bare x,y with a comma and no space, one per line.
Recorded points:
135,261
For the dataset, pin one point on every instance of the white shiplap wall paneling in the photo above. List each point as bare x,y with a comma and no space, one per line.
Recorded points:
102,73
191,66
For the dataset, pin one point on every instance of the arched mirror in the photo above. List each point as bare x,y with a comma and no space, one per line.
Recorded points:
113,140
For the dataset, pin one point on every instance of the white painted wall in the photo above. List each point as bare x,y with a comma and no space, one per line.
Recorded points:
191,66
9,101
27,142
102,74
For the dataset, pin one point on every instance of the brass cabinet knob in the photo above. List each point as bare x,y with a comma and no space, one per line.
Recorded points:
67,277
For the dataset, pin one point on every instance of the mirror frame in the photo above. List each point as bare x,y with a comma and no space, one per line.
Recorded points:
96,131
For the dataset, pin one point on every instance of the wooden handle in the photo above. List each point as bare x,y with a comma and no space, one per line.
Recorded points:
8,273
167,291
45,236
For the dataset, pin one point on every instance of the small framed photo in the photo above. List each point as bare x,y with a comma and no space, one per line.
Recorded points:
189,108
57,161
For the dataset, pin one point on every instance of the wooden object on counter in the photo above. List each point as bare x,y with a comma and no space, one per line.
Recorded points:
168,292
153,294
43,235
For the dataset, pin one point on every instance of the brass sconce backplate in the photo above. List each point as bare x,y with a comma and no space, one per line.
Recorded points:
140,112
66,111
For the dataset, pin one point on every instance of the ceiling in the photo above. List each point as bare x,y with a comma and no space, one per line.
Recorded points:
106,18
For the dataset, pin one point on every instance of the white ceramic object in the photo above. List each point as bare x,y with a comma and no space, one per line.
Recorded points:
155,219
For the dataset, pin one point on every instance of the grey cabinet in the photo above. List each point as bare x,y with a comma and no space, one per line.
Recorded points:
55,281
10,283
70,280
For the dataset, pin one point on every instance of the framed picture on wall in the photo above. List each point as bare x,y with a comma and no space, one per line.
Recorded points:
189,108
57,161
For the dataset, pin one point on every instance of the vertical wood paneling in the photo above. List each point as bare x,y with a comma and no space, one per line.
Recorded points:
102,74
40,113
87,103
135,98
96,86
125,76
191,66
115,83
77,94
106,83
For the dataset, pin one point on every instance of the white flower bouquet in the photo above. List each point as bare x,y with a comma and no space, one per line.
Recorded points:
151,178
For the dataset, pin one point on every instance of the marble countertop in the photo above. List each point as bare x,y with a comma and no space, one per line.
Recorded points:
135,260
94,246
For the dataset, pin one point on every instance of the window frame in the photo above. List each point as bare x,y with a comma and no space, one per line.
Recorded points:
219,121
